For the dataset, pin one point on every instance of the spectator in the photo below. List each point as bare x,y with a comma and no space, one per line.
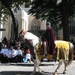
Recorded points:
27,57
19,56
12,54
4,54
5,41
17,43
12,42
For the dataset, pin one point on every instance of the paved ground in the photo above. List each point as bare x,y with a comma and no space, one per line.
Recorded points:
26,69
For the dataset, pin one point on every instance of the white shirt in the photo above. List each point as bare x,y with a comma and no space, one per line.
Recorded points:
12,53
18,52
4,51
28,56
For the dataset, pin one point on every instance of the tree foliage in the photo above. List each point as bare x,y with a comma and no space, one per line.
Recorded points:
8,6
51,10
54,11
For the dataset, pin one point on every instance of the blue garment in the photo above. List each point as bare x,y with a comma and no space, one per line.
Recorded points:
24,60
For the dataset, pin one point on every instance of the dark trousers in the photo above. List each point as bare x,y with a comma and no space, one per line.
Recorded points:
19,58
3,58
11,60
16,59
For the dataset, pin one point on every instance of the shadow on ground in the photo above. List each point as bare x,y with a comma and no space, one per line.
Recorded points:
21,73
26,64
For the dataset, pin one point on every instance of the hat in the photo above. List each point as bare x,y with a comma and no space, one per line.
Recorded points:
48,24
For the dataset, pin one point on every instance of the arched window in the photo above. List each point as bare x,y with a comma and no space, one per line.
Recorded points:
35,25
55,29
72,27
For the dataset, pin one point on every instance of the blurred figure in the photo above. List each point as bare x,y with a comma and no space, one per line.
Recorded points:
27,57
4,54
5,41
12,42
12,54
19,55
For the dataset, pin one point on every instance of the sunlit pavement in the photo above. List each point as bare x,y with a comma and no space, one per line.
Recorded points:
27,68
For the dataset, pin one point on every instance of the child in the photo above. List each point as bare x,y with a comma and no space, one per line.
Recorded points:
27,57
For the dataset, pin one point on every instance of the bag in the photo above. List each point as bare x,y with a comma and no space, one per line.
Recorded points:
24,60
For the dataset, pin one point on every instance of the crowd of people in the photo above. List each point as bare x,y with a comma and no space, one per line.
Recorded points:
11,51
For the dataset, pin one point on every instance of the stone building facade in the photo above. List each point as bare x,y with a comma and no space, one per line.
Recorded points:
23,21
29,23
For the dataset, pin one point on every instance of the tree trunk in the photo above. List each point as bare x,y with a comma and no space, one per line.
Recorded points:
14,24
65,22
5,3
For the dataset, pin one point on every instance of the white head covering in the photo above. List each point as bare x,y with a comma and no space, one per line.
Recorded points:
48,24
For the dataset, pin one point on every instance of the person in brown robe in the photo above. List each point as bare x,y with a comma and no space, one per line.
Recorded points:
48,37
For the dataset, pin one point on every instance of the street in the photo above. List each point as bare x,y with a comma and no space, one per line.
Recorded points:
27,68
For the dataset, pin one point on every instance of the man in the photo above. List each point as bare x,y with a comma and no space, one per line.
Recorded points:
48,37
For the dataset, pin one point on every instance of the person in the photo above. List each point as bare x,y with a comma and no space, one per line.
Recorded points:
4,54
19,55
27,57
48,39
4,41
12,42
12,54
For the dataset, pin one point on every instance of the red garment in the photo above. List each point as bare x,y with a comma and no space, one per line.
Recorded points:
48,36
28,51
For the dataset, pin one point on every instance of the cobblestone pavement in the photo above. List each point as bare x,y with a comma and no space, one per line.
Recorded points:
27,68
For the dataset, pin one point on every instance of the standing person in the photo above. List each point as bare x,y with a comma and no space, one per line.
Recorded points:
48,39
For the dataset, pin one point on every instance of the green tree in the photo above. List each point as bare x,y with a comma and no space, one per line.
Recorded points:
54,11
8,6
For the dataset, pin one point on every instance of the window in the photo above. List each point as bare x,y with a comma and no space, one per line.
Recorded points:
72,27
35,25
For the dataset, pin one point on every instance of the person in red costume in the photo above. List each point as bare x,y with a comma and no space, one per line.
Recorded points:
48,39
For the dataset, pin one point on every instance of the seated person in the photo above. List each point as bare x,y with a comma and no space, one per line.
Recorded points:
27,57
12,54
19,54
4,54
